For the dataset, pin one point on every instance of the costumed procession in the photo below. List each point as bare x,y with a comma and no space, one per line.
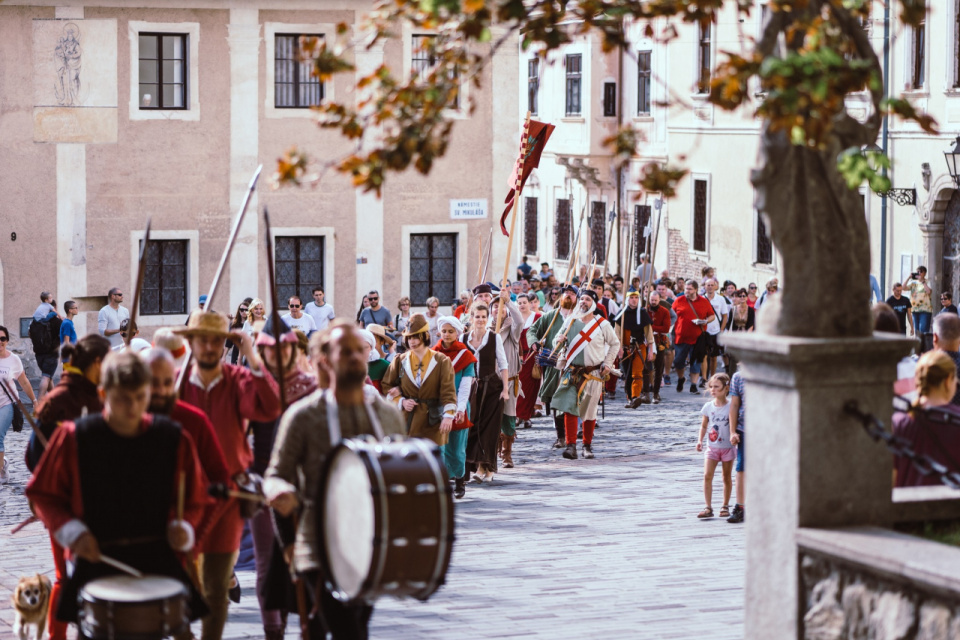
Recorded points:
312,440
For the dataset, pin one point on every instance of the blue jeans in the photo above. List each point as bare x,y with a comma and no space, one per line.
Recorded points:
684,351
921,322
6,419
741,451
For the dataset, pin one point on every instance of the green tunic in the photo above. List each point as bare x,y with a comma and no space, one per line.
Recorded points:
550,376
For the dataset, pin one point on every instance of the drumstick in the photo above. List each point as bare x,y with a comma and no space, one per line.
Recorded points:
180,491
20,526
116,564
219,490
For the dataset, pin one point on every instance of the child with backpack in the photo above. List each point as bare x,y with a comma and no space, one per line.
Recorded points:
716,427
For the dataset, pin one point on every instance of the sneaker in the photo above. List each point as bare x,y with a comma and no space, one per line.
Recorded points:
666,381
693,389
588,451
680,384
703,383
656,398
737,515
570,453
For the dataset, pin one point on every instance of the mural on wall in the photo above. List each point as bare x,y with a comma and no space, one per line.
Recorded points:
75,81
68,54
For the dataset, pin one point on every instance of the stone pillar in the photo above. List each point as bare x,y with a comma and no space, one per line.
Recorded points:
244,41
369,215
810,464
933,251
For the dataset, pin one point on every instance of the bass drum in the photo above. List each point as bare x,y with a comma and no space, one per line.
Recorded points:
385,524
147,608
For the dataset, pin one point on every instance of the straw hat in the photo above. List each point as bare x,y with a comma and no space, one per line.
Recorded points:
205,323
379,331
418,324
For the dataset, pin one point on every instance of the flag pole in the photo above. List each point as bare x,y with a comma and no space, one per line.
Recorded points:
479,257
655,238
576,246
629,278
513,221
606,258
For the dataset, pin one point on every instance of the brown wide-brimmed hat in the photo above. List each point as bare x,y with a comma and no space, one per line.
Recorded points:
418,324
379,331
206,323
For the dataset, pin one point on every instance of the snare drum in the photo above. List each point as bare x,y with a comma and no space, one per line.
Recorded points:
128,608
385,524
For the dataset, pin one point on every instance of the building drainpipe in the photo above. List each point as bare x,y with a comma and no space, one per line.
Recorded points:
883,146
620,180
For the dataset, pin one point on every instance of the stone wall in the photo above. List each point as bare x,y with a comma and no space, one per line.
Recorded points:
680,261
847,603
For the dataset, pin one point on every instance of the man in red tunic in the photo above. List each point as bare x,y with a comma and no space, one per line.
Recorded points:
229,395
164,402
107,484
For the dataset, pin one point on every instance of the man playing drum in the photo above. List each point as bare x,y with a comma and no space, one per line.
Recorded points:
543,332
592,346
638,338
108,485
305,437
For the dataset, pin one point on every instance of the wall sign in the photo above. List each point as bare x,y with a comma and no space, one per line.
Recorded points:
468,209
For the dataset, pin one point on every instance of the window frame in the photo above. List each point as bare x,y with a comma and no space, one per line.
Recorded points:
270,31
640,243
300,290
568,206
329,256
430,258
954,84
695,178
573,85
760,232
159,273
704,58
192,238
531,207
917,69
191,69
299,71
160,60
533,85
430,63
645,83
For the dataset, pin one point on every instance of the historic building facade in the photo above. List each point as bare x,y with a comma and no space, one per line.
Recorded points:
116,111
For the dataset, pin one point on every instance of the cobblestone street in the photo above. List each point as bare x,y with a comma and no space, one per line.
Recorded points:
604,548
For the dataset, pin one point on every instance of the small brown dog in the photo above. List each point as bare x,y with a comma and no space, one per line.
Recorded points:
31,599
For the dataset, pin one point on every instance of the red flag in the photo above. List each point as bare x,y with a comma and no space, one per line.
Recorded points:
530,149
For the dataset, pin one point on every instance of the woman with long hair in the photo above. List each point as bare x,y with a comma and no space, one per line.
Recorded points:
931,423
527,404
239,318
258,313
490,396
10,369
363,305
74,395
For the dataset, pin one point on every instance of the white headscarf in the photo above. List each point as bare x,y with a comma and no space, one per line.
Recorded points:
452,321
372,340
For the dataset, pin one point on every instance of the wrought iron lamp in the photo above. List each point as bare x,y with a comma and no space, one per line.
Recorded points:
952,156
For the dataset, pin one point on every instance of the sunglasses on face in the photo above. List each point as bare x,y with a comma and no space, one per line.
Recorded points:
753,288
243,309
3,338
373,299
294,306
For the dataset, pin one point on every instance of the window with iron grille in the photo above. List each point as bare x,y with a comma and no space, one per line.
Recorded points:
598,231
533,84
165,278
764,245
163,70
642,213
424,58
561,231
530,228
644,83
699,215
703,58
298,262
295,86
433,267
956,45
609,99
917,68
573,63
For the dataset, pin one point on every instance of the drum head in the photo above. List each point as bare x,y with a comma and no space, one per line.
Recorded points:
131,589
348,521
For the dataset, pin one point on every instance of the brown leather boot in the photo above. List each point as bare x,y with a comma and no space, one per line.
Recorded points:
508,451
500,446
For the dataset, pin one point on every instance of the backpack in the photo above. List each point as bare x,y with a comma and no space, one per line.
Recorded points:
45,335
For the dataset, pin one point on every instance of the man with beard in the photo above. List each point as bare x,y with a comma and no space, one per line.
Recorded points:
303,442
164,402
638,336
542,332
592,346
230,396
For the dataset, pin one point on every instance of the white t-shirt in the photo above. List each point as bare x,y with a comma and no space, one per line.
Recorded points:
108,318
10,370
718,425
305,322
321,315
42,311
720,309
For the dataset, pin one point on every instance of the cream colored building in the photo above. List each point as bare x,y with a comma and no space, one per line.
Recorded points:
712,220
127,109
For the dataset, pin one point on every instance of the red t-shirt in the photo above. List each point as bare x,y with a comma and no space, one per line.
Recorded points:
686,331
